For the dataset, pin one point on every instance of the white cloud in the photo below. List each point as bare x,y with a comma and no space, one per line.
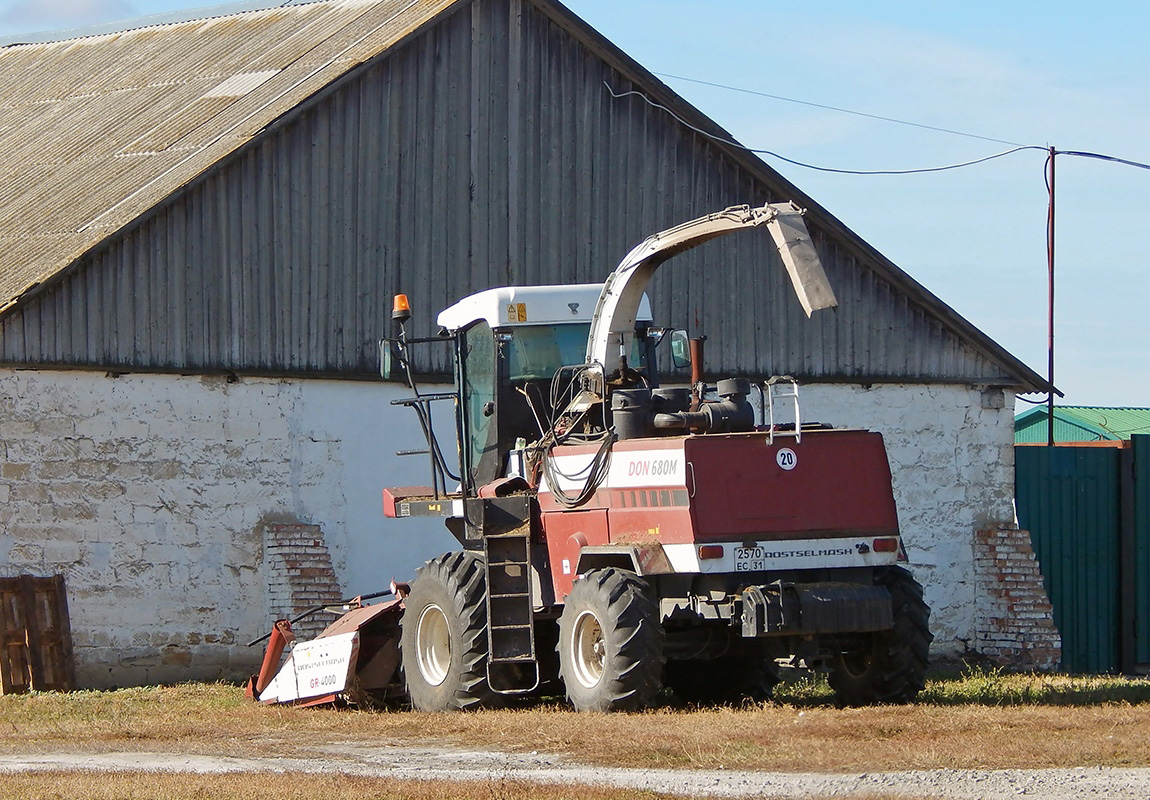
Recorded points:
36,15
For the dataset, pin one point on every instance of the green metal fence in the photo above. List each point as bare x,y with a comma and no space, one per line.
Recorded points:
1088,512
1140,549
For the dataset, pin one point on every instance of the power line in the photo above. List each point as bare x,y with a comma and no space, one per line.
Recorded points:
840,110
1102,157
1017,147
758,151
898,171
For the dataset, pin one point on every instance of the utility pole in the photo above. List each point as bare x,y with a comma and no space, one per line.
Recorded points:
1050,300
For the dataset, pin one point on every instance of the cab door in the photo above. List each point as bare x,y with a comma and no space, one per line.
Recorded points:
478,378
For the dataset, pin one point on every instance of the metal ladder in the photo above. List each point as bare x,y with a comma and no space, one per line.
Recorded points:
787,389
511,666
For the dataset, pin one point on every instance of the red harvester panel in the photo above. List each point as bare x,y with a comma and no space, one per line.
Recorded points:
835,481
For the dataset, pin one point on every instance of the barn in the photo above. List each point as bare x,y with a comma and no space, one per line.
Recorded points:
203,224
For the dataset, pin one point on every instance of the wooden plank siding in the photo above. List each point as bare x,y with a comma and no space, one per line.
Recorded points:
485,151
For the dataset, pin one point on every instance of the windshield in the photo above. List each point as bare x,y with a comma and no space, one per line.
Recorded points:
536,352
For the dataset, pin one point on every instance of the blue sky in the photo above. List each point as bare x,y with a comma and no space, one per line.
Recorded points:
1035,73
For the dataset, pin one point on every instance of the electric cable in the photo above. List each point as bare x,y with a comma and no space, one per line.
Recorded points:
1017,147
561,393
595,472
523,390
841,110
1102,157
760,151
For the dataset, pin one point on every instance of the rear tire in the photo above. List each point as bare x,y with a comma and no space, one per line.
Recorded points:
891,667
610,643
444,637
722,681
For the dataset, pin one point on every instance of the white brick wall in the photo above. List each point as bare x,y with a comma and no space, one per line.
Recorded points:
951,451
150,494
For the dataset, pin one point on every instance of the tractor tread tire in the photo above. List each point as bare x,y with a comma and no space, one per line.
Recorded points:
727,680
893,669
456,582
632,642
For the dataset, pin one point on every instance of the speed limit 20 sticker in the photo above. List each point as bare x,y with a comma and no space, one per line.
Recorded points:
785,457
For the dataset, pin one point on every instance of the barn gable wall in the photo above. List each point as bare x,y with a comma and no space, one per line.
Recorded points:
484,151
487,151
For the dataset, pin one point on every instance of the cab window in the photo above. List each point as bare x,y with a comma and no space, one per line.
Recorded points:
536,352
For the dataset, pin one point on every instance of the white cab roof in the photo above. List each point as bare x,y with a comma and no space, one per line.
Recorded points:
509,306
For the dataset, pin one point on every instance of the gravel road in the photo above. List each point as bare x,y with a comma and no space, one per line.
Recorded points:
417,762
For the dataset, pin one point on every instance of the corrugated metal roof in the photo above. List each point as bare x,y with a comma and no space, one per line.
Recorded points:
1082,423
81,157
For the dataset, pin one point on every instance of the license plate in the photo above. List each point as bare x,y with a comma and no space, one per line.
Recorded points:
750,559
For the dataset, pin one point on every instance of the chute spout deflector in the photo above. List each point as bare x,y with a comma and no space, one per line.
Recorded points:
614,320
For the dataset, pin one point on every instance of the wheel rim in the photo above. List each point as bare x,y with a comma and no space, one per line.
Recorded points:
588,650
433,645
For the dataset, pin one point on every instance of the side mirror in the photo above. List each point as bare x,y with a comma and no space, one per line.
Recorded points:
385,359
680,349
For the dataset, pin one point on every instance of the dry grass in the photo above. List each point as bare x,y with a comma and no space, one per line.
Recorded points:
295,786
286,786
984,720
824,739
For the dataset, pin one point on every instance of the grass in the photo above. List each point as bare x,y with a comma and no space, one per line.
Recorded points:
65,785
980,719
996,687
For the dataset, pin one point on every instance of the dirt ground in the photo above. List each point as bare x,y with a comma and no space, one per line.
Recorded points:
423,762
978,735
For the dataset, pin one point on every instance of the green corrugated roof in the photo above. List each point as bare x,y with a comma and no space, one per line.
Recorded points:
1082,423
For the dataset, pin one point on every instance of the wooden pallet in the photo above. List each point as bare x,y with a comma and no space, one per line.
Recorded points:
35,635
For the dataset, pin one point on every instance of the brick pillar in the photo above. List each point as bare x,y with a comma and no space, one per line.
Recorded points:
300,575
1014,623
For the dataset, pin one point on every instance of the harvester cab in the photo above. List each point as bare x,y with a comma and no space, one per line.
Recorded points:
618,536
515,351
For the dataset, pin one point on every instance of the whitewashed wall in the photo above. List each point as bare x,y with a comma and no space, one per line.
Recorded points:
149,492
951,451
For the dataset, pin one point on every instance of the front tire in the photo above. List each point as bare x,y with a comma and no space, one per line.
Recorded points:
891,666
610,643
444,636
